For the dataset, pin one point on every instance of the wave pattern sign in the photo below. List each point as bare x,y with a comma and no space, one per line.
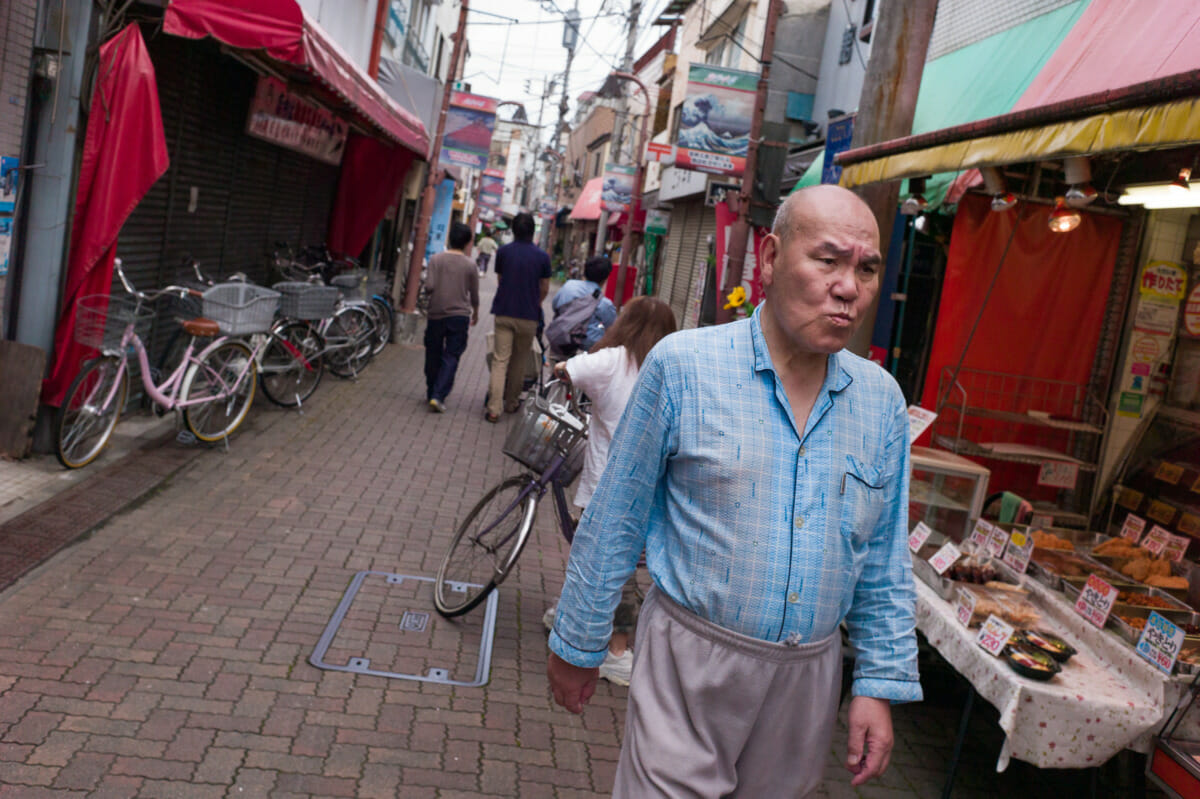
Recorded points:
491,188
616,193
714,124
470,121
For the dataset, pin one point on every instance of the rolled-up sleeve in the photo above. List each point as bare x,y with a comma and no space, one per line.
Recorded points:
881,621
613,530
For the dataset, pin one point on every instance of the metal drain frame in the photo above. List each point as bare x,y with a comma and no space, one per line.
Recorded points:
362,665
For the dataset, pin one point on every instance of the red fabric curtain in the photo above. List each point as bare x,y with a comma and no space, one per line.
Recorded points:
124,153
372,174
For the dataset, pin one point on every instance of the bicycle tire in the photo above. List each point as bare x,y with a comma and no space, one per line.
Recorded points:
383,325
353,326
458,588
289,375
216,368
80,433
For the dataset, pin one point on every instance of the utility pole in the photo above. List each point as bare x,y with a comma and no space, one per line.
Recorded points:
570,39
413,282
899,45
635,9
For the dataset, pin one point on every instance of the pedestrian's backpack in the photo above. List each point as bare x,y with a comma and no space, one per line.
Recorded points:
567,332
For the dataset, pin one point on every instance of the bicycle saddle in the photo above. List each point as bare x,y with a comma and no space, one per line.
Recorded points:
205,328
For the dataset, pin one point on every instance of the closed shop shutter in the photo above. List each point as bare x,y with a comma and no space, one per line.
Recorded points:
697,224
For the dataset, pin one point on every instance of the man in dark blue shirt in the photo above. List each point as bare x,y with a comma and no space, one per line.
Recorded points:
523,272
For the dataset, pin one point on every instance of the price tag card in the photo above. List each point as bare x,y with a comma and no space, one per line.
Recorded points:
1156,540
1177,546
944,558
1058,474
1161,512
1096,600
1019,551
1042,520
1133,528
981,533
1160,642
997,541
1169,472
919,420
994,635
919,535
966,607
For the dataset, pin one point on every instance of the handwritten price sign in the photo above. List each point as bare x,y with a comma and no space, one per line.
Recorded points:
966,607
919,535
1176,547
1058,474
979,536
1096,600
944,558
997,541
1160,642
1156,540
1133,528
1019,551
993,635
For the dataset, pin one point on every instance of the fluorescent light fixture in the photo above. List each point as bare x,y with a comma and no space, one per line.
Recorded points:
1162,195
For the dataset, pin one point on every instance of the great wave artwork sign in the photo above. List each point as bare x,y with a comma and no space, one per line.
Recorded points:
714,124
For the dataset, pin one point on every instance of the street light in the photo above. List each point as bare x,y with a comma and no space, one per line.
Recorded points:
627,235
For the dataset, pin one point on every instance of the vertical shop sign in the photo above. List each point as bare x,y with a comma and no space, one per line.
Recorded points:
714,122
838,134
470,121
283,118
491,188
5,243
439,223
9,173
616,193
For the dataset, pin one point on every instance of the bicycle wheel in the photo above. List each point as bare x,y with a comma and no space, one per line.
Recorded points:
291,364
485,546
225,376
383,325
350,335
84,422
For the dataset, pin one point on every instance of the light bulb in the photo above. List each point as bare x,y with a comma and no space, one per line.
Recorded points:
1063,219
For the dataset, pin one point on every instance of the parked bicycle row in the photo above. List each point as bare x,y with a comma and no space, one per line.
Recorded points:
233,337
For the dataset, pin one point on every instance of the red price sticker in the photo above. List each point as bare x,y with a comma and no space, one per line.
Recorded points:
979,536
966,607
944,558
1156,540
919,535
1177,546
1019,551
997,541
993,635
1096,600
1133,528
1160,642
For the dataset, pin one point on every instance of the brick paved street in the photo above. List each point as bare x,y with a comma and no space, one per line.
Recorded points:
166,655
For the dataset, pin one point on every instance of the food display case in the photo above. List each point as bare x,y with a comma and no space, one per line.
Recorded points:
946,491
1174,763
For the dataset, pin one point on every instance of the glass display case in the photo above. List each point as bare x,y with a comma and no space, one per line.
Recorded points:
946,491
1174,763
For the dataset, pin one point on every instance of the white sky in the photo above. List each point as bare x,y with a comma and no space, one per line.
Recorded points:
504,55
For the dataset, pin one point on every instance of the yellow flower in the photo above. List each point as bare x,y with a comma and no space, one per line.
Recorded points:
737,298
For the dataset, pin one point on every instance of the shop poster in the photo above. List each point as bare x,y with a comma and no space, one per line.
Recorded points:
8,183
5,243
491,188
1161,289
286,119
439,223
616,194
470,120
714,123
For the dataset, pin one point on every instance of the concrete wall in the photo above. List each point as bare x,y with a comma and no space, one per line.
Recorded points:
350,23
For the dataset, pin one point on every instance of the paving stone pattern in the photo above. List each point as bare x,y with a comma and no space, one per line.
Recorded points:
165,655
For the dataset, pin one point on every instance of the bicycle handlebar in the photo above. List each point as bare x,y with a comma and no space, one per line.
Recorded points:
150,296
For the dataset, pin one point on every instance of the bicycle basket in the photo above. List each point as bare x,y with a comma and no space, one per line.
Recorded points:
241,308
100,320
306,300
543,430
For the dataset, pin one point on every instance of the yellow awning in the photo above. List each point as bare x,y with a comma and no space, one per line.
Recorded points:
1172,124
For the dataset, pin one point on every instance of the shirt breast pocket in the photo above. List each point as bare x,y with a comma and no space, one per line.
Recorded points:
862,490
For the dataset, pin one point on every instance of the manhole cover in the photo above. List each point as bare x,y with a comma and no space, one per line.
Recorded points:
385,626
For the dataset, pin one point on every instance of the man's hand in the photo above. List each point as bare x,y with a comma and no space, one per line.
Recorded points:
870,746
474,318
573,686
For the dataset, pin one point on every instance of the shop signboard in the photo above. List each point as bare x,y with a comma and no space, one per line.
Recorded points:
676,183
616,192
714,122
286,119
9,174
1163,281
439,223
657,222
470,120
491,188
838,134
919,535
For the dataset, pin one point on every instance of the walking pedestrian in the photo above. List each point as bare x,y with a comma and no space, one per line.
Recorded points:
606,375
588,291
486,246
453,288
765,470
523,272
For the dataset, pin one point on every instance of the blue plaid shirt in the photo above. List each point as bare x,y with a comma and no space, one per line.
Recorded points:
747,521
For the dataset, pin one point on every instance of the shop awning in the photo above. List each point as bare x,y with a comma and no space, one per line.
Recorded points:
812,175
1126,76
282,31
587,207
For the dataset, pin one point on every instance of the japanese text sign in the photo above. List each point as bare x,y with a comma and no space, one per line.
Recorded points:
1156,540
1058,474
1096,600
1177,546
1160,642
1133,528
993,635
918,536
1020,549
981,533
997,541
966,607
944,558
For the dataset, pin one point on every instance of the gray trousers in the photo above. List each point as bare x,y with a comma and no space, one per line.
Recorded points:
713,713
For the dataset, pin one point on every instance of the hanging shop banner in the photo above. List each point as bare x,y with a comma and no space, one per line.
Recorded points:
5,243
838,134
439,223
714,123
283,118
491,188
470,121
617,192
8,183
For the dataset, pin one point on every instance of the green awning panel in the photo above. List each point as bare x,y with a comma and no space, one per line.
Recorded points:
812,175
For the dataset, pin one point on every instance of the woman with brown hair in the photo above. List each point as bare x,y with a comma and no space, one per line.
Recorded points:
607,374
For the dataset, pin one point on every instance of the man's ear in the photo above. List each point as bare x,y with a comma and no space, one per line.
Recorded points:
770,253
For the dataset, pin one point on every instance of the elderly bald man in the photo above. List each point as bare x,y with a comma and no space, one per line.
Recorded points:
764,470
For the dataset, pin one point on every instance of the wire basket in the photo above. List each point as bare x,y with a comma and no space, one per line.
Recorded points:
543,430
100,320
306,300
240,309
